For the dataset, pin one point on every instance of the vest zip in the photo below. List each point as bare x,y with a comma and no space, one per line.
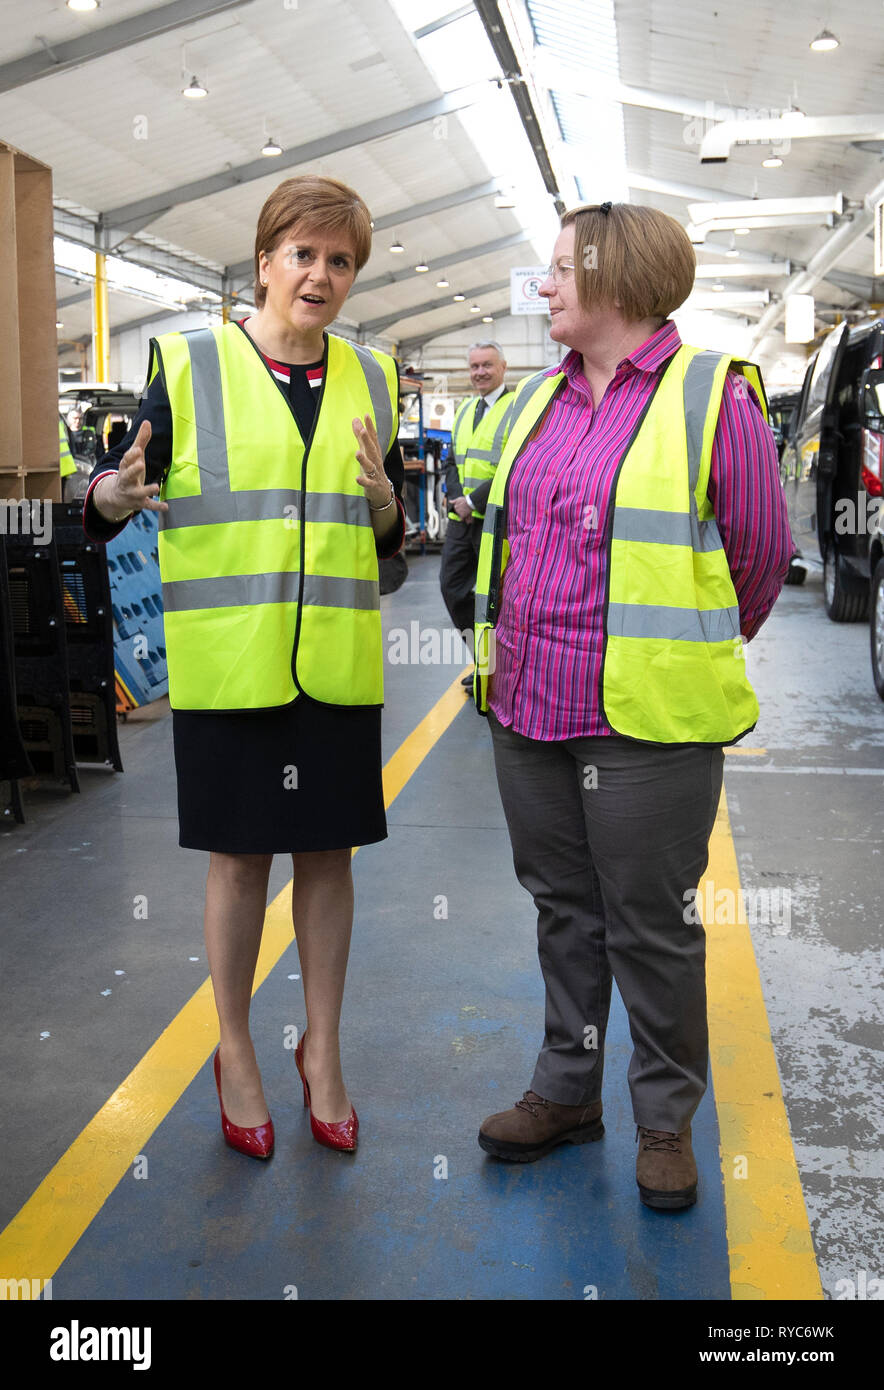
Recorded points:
307,444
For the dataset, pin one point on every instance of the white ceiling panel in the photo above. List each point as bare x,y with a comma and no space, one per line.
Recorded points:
116,130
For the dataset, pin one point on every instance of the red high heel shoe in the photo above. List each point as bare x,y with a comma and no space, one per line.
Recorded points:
256,1141
339,1134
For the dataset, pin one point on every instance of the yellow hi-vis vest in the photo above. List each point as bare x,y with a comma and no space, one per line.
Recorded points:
477,452
66,463
672,667
267,553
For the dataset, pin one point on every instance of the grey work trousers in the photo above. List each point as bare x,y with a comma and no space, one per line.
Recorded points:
607,836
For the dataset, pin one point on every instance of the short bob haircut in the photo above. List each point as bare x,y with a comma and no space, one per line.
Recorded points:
312,203
635,255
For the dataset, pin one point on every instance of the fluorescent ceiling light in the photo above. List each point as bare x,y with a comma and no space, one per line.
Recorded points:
747,270
744,210
397,248
195,90
271,148
442,284
727,299
773,161
458,298
82,6
421,267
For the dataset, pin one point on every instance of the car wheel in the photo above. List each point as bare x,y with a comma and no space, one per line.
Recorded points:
876,609
846,597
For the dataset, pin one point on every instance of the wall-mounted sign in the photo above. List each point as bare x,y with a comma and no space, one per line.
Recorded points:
524,284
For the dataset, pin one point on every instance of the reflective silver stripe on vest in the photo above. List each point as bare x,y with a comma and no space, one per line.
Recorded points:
521,401
379,393
673,624
230,591
698,381
491,512
492,455
247,590
665,528
266,504
208,402
463,411
216,503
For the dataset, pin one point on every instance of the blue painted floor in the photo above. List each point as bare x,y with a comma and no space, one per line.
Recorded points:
443,1019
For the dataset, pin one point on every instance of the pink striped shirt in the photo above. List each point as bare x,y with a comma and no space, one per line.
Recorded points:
549,635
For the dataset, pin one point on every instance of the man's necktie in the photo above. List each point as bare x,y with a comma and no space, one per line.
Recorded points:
480,411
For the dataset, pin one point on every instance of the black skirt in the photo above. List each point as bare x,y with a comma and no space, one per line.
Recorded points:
300,778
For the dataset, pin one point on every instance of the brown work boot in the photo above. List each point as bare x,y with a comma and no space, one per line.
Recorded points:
665,1169
534,1126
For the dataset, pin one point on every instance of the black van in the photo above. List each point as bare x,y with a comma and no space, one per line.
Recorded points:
876,599
106,413
781,410
831,467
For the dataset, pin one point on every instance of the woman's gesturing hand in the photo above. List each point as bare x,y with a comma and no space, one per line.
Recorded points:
378,488
118,496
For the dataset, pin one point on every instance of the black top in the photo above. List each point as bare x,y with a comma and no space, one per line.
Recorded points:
302,389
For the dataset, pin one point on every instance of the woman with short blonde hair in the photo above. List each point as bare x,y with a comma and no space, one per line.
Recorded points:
636,533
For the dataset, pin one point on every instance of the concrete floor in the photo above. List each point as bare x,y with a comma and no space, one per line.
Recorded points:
442,1021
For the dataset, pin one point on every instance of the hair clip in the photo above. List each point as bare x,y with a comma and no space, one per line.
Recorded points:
605,208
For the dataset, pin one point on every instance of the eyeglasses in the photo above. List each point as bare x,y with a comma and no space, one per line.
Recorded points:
301,256
560,272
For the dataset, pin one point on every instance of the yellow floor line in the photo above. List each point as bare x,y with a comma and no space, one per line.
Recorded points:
770,1248
43,1233
768,1234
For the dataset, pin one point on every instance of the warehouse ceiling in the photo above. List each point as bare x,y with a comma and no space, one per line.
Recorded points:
357,89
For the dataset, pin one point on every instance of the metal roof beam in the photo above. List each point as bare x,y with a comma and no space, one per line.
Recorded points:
98,43
466,253
74,298
833,249
862,285
447,200
410,345
443,20
245,269
496,32
428,307
135,216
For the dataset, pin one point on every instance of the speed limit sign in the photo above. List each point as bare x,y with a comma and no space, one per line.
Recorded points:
525,281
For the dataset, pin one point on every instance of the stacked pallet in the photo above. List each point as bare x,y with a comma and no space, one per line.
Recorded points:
28,341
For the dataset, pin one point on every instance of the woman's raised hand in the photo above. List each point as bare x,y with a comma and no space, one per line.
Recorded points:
373,479
129,493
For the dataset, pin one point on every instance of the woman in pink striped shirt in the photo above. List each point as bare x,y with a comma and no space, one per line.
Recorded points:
610,833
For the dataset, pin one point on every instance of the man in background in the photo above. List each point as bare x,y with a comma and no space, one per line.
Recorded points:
477,439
